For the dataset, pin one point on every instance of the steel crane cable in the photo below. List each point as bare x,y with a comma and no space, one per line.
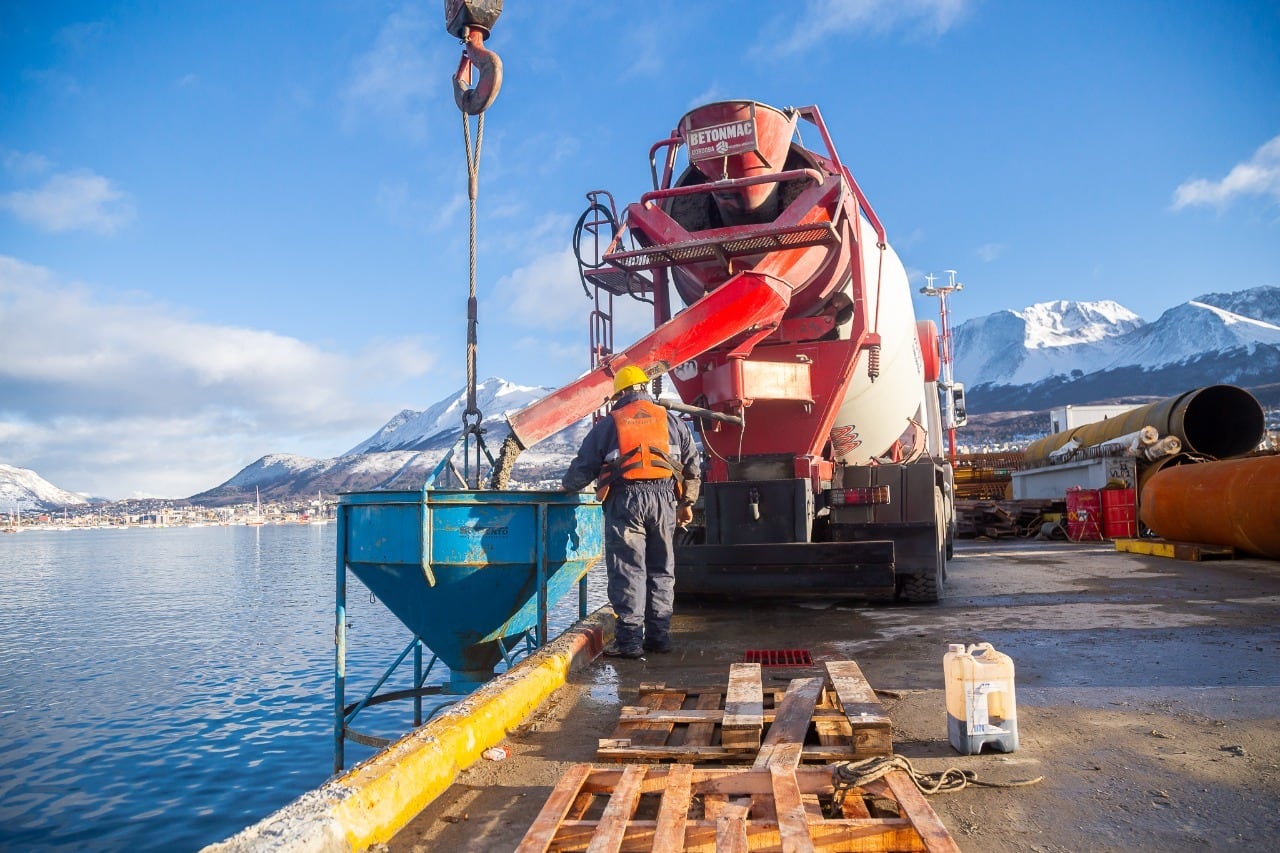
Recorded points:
473,181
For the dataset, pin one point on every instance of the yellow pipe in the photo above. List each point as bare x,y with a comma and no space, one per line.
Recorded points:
374,800
1218,420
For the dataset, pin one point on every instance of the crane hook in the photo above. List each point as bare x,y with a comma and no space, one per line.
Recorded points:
477,57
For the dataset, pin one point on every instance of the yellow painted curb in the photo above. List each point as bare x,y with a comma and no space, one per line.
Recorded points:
374,800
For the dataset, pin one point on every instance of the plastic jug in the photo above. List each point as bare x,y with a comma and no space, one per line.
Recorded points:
981,708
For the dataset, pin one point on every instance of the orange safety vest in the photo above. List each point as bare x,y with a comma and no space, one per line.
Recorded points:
643,446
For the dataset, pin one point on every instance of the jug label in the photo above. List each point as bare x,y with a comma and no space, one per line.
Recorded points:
977,700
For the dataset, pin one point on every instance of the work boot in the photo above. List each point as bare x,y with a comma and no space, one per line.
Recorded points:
660,647
613,650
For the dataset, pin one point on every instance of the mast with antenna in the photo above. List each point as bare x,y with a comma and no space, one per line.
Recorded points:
946,383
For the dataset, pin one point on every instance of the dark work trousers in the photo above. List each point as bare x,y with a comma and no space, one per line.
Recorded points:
639,523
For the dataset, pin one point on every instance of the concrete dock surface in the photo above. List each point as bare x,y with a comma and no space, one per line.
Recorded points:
1148,694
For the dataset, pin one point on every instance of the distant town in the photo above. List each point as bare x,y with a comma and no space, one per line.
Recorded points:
168,513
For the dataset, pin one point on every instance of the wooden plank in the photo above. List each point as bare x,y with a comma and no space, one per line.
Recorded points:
743,809
872,730
621,749
785,741
612,828
922,816
653,734
1191,551
743,721
792,823
673,814
731,826
864,836
834,733
540,835
826,712
1197,552
700,735
774,691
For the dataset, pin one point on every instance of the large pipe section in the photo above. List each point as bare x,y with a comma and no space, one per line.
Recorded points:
1220,421
1235,503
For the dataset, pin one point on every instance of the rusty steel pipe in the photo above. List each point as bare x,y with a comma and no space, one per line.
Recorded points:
1235,502
1218,420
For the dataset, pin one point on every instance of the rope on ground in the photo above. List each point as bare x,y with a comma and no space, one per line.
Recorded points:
848,775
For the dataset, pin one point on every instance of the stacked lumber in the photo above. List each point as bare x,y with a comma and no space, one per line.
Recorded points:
1004,519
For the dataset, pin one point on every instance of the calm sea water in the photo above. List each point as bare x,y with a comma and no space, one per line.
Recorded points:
162,689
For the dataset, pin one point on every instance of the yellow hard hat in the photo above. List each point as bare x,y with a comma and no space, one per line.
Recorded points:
629,375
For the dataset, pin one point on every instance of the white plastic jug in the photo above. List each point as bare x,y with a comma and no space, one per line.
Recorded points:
981,708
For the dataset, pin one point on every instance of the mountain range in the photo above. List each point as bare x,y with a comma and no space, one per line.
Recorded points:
405,451
1014,364
1069,353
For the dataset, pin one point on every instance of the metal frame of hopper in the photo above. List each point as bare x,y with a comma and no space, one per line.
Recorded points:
525,643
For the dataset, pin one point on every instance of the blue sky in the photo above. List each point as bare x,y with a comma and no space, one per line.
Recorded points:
233,229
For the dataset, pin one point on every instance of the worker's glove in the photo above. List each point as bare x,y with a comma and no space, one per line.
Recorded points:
684,514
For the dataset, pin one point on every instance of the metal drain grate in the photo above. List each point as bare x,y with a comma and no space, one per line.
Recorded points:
778,657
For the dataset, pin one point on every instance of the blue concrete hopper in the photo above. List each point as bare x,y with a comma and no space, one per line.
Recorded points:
470,573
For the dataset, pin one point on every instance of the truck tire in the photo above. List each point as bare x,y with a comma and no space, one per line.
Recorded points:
926,587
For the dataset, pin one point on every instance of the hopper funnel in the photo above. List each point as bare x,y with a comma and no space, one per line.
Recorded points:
462,569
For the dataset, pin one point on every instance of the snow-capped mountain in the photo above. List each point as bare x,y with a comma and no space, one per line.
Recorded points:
1017,347
23,490
406,450
440,425
1058,353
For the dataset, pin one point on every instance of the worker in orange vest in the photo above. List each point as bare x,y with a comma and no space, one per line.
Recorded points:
646,464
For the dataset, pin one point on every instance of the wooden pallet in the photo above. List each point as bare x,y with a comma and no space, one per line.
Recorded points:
823,718
775,805
666,808
1192,551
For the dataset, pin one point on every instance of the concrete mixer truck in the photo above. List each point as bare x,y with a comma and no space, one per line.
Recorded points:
783,320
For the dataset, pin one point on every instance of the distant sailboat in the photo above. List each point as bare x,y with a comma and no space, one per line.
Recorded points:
15,522
256,519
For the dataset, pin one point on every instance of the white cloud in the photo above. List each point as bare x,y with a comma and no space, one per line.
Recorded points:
547,294
72,201
930,18
544,294
1259,175
399,77
405,209
644,46
24,163
989,252
709,95
125,397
